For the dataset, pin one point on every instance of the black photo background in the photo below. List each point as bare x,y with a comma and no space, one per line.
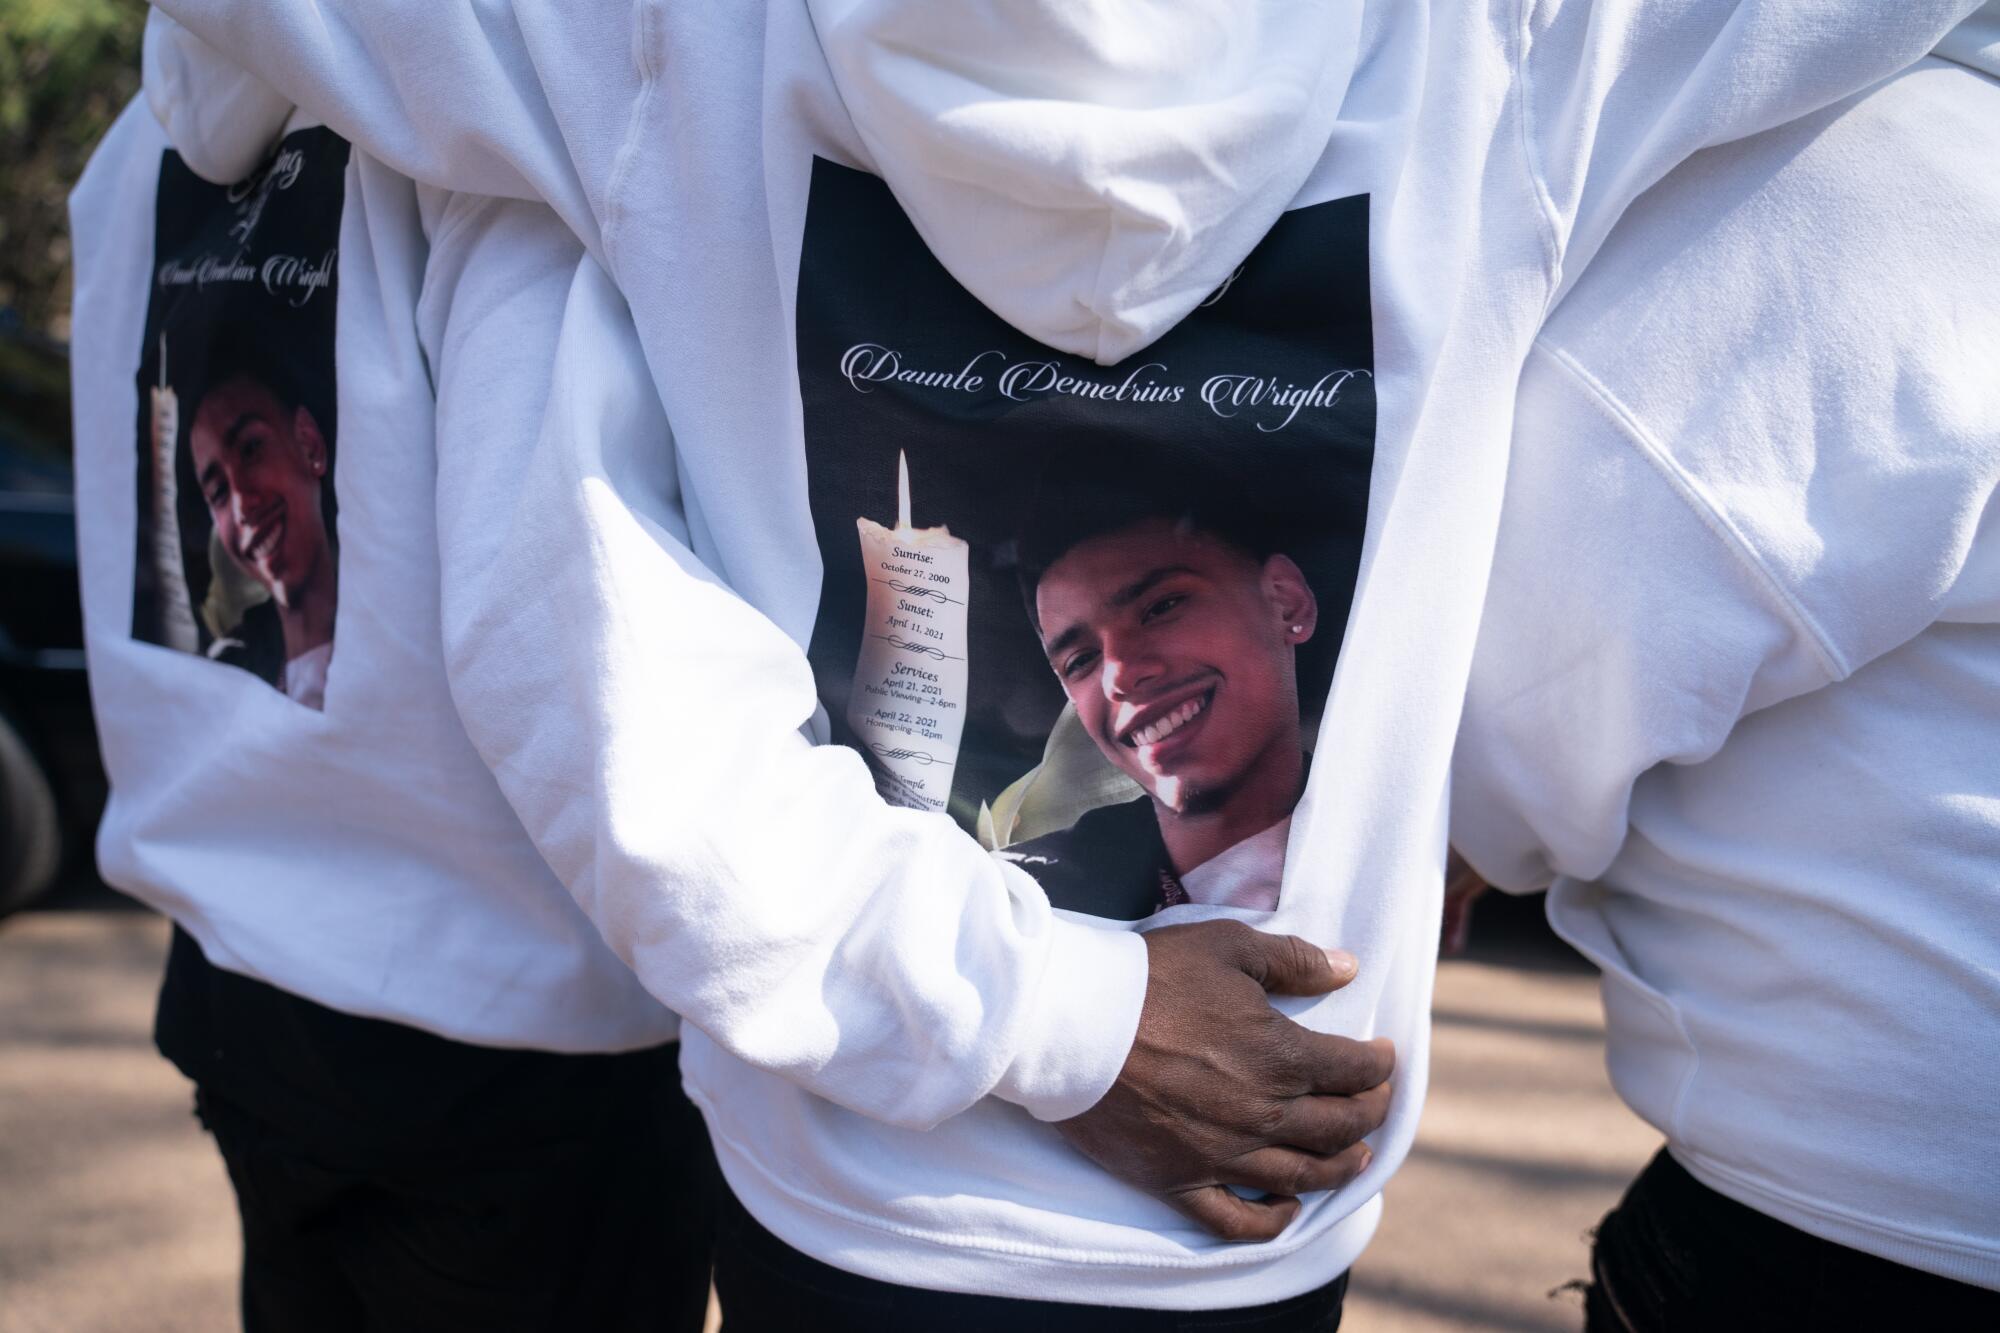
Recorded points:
244,292
1269,381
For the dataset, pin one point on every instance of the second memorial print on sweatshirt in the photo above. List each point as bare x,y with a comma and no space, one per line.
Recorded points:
237,543
1090,612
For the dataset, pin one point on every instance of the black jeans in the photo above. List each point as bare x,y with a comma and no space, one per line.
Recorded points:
1674,1255
389,1179
766,1286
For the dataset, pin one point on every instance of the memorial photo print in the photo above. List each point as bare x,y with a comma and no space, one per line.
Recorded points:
1087,611
237,533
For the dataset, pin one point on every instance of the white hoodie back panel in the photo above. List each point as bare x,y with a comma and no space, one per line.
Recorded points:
853,967
1736,685
356,852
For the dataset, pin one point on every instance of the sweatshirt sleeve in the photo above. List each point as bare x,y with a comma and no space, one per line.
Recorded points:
1622,629
1640,607
645,723
481,96
1756,449
1618,92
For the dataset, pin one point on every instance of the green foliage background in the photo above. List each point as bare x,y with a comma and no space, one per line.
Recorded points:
67,67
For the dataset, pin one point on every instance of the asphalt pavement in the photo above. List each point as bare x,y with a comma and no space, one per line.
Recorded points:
115,1213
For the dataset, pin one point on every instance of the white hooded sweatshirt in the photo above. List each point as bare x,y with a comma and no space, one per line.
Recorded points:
351,848
1750,729
1312,242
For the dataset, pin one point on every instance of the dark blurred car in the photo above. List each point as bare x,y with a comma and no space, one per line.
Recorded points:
51,779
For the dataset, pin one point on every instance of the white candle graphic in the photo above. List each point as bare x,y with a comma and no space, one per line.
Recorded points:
169,572
907,704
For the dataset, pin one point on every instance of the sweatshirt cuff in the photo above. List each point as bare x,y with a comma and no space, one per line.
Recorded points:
1080,1022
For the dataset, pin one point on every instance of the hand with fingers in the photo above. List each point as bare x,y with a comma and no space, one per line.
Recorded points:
1221,1089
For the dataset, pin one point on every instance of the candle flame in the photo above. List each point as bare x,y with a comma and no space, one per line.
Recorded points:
902,491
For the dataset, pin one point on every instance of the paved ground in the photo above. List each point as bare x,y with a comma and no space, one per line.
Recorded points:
1523,1146
115,1214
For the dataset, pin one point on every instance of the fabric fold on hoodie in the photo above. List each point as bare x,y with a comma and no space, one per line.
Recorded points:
1975,43
222,119
1121,160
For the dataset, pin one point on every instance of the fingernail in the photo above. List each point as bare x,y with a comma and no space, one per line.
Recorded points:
1342,962
1367,1157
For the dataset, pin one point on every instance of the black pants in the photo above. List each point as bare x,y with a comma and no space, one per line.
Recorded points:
389,1179
1674,1255
766,1286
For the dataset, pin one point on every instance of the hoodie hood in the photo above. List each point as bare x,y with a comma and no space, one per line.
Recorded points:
222,119
1092,171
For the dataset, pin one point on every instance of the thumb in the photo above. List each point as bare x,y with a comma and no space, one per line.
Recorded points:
1288,965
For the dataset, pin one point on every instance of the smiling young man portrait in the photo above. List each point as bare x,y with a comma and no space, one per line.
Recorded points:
1173,622
264,465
